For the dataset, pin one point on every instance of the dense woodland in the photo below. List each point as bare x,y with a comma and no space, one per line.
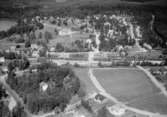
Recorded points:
62,85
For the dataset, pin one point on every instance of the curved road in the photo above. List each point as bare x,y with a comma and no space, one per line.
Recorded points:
112,98
19,99
154,80
14,94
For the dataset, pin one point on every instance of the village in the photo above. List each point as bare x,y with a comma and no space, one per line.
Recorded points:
42,48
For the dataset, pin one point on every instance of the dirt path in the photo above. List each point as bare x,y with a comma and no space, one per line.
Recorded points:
154,80
112,98
14,95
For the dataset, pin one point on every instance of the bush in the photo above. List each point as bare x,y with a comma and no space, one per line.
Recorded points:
59,47
48,35
102,112
86,105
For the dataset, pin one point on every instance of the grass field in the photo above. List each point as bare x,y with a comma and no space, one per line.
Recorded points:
86,83
5,24
132,87
65,40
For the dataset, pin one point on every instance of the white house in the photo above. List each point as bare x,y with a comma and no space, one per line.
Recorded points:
34,46
5,69
147,46
89,42
117,110
52,49
65,32
110,33
35,54
2,59
43,86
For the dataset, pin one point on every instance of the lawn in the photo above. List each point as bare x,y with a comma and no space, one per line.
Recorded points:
133,87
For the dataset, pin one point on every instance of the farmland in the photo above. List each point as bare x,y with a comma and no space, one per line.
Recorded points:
132,87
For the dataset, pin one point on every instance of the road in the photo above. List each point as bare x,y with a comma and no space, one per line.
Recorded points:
112,98
116,101
154,80
14,94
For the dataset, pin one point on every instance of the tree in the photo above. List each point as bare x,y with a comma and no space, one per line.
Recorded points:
28,87
81,92
86,105
56,31
59,47
2,92
27,44
102,112
23,64
48,36
11,67
42,52
32,36
4,111
40,35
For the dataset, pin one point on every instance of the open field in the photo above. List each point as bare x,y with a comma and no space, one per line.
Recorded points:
5,24
67,40
132,87
4,44
86,83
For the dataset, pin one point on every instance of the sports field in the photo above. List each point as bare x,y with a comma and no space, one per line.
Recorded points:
133,87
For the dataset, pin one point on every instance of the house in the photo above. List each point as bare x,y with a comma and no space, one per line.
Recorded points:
35,54
34,46
12,48
43,86
65,32
110,33
52,49
5,69
2,59
147,46
89,43
117,110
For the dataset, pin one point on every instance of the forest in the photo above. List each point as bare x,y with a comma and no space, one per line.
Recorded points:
62,85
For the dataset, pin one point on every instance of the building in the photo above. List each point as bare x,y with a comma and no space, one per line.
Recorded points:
34,46
2,60
117,110
43,86
35,54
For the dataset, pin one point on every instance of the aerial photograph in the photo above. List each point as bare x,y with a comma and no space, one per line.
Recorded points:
83,58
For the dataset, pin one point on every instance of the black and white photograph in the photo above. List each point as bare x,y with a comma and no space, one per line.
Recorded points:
83,58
